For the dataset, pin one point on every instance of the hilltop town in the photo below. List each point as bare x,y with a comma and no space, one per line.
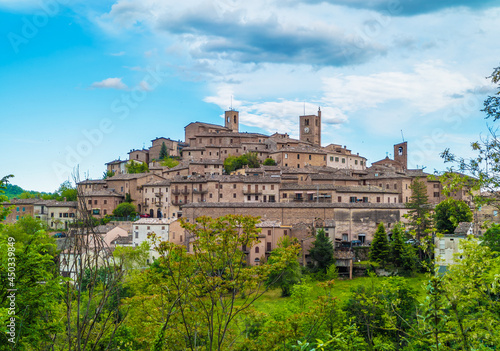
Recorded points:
307,185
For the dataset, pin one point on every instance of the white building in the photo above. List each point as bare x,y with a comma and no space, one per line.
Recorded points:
448,246
164,228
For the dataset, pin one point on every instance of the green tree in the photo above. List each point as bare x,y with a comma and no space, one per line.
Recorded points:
169,162
136,167
38,287
132,257
449,213
232,163
191,300
163,152
124,209
66,191
4,211
269,162
379,249
403,255
291,275
321,252
107,174
491,238
419,208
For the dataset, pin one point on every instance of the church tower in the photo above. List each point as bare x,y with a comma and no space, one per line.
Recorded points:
401,154
310,128
232,120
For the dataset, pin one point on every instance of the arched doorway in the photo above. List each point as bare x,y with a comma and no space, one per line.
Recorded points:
158,213
151,213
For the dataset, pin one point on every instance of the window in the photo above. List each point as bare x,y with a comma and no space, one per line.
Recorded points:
249,198
361,163
269,232
436,194
343,160
220,196
362,238
436,186
234,186
105,202
180,238
96,211
339,199
365,199
285,195
298,156
285,232
388,200
352,199
137,235
395,186
52,214
105,212
256,249
65,215
122,189
331,158
24,209
309,156
90,203
60,215
256,197
210,195
286,155
95,202
336,159
269,247
263,187
149,227
355,162
137,227
378,198
345,237
234,196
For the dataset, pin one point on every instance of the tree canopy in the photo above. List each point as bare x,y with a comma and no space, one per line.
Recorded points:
233,163
449,213
163,152
379,249
125,209
136,167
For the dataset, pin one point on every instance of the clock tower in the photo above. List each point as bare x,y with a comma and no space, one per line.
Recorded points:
310,128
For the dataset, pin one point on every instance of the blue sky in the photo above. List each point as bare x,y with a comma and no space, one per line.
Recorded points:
84,82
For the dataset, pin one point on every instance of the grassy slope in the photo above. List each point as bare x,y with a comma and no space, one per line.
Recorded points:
272,300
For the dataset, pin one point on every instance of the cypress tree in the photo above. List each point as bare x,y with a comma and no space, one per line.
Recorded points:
321,252
163,152
379,250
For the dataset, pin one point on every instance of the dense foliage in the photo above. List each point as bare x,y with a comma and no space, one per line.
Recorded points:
125,209
449,213
136,167
233,163
379,249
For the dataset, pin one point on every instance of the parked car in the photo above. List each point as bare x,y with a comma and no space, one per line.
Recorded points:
59,235
413,241
145,216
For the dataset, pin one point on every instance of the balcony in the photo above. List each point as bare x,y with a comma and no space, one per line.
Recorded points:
298,199
177,202
252,192
159,204
185,191
176,192
160,194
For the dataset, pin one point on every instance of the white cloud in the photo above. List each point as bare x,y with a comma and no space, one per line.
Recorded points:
121,53
109,83
428,88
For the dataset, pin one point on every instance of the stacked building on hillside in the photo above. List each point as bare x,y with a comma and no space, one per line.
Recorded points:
307,184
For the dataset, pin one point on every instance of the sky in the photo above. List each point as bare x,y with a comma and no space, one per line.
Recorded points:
84,82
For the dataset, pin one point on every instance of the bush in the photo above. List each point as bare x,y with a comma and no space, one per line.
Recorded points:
124,209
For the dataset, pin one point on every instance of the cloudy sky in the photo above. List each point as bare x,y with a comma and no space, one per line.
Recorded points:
84,82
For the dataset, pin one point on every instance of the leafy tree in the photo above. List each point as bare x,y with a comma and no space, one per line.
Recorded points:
66,191
379,249
190,300
163,152
128,198
169,162
124,209
232,163
136,167
321,252
38,284
4,211
449,213
107,174
132,257
292,273
419,208
269,162
491,238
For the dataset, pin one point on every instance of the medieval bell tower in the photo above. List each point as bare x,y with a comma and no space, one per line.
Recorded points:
310,128
232,120
401,154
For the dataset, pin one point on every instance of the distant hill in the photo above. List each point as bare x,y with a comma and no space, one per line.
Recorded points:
13,191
